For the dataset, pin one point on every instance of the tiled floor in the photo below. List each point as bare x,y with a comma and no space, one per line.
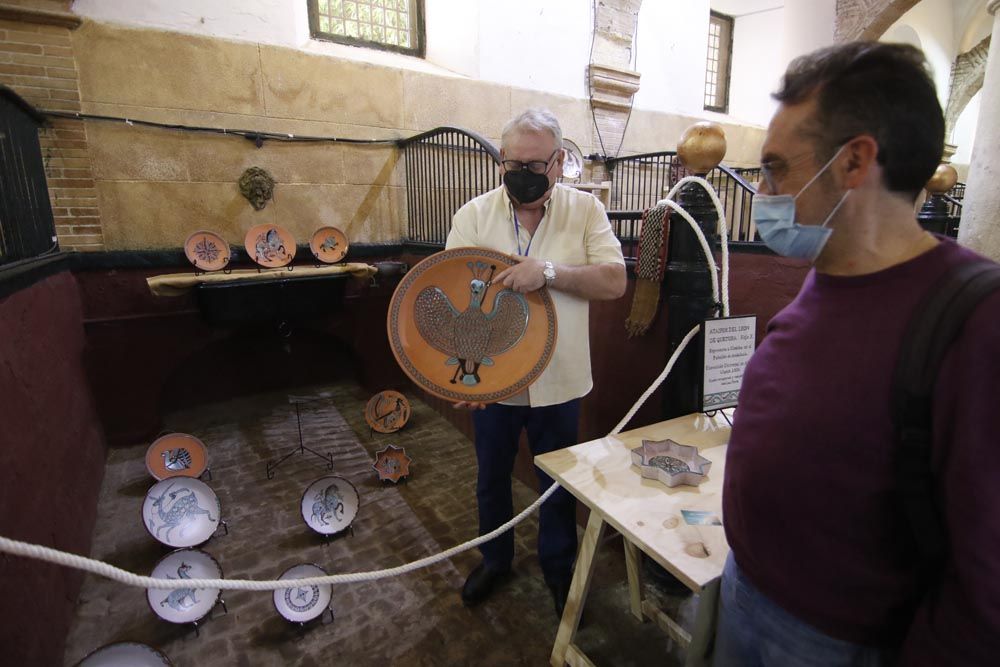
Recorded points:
415,619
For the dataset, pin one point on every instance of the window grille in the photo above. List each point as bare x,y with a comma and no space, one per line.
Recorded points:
717,64
392,25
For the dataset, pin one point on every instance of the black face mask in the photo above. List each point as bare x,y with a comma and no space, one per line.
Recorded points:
526,186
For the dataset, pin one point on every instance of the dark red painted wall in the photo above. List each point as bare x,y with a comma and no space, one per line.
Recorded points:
51,464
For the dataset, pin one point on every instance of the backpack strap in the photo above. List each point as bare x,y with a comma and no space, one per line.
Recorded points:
937,322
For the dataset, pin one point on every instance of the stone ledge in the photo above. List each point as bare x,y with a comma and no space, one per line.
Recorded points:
42,16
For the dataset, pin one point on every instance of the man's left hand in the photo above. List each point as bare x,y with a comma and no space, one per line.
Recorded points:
525,276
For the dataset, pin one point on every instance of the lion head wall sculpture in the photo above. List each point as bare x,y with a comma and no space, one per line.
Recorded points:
257,186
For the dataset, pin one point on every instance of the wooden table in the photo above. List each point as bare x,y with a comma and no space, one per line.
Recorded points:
647,514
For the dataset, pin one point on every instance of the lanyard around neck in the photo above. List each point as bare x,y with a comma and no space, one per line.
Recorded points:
517,232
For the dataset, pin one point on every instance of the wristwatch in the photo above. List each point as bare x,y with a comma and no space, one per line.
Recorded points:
549,272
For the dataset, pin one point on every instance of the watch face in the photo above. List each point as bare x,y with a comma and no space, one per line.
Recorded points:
549,273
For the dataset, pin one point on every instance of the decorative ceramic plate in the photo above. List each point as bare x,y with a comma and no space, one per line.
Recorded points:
176,454
270,246
125,654
329,245
573,164
462,338
330,504
181,511
207,251
387,411
300,604
392,464
671,463
184,605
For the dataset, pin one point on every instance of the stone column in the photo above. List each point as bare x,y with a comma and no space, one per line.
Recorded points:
980,228
612,82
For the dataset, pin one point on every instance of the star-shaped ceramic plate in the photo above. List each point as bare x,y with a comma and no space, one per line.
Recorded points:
671,463
392,464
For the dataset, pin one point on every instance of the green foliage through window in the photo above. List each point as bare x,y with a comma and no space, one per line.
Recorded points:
394,25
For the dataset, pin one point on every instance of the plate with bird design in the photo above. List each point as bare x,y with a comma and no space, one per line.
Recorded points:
176,455
270,246
300,604
461,337
329,245
387,411
181,511
184,605
207,251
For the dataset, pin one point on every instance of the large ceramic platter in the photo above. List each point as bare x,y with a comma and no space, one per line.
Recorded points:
387,411
329,245
462,338
330,504
184,605
270,246
181,512
176,454
207,251
300,604
125,654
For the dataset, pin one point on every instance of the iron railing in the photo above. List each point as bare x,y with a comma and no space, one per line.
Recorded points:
27,228
445,168
639,181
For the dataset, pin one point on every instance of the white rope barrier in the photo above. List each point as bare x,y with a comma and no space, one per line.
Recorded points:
109,571
100,568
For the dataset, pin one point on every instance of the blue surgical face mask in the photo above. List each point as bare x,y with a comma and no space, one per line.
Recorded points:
774,216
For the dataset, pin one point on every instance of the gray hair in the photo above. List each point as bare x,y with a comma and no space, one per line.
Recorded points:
533,120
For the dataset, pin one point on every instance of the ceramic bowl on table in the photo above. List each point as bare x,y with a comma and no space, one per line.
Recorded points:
184,605
181,512
330,504
671,463
301,604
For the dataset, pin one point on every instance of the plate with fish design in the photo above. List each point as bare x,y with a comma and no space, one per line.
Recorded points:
184,605
181,512
270,246
461,337
300,604
207,251
330,504
176,454
329,245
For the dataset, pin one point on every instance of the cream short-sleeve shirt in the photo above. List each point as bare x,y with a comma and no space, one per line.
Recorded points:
574,230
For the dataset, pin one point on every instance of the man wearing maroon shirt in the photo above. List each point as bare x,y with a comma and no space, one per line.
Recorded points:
823,569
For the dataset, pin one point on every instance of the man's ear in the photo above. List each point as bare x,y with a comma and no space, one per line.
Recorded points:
861,156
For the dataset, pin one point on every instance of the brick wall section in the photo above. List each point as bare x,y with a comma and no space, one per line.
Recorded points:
36,61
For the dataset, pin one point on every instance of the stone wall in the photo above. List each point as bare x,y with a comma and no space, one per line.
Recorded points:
36,61
156,186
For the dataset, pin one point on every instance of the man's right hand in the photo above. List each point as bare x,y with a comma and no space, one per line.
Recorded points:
469,405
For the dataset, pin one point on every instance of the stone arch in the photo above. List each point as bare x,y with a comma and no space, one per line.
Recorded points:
867,19
967,74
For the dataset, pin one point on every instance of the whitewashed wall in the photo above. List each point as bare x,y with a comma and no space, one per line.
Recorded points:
534,44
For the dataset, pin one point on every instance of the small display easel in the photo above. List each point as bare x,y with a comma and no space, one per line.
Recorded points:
301,449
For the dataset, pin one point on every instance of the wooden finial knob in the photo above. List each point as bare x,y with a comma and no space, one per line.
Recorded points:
944,179
702,147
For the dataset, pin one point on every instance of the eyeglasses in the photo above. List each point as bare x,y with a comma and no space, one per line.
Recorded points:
534,166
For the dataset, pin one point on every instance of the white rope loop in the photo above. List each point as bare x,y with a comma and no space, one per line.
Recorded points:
100,568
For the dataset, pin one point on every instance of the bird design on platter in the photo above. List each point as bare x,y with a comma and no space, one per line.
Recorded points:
472,337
